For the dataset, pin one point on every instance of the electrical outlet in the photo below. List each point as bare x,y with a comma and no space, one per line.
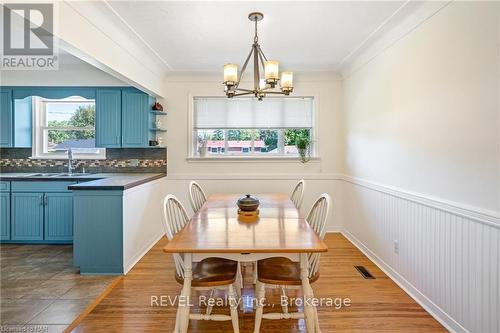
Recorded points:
396,246
134,162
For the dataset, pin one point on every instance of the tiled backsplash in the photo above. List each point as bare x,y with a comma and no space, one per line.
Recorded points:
117,160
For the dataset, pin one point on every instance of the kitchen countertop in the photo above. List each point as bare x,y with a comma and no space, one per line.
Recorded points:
97,181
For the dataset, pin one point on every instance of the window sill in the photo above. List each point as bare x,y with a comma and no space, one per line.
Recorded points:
286,159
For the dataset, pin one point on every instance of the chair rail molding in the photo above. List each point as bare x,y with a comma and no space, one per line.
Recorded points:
254,176
473,213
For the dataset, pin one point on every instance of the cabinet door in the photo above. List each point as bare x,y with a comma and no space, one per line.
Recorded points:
6,118
4,216
59,216
27,216
108,118
23,119
135,113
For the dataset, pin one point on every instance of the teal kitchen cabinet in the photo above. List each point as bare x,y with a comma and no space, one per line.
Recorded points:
6,117
4,210
4,216
108,118
23,122
27,216
135,119
58,217
41,212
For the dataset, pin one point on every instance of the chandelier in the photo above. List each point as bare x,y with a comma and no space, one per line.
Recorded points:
261,86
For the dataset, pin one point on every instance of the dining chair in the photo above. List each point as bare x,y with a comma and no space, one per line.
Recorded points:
209,274
298,193
197,196
284,274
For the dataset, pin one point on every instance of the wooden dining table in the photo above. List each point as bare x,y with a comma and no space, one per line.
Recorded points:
216,231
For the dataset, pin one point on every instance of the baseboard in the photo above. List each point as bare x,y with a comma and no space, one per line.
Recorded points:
435,311
142,252
333,229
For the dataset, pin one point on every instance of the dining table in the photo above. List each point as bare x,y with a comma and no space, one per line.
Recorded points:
216,230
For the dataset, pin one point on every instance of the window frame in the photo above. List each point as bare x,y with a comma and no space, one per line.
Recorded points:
40,127
192,154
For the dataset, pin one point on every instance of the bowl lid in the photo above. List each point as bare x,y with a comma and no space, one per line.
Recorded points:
248,200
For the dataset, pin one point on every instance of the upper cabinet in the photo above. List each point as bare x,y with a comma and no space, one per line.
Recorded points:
108,118
122,114
122,118
23,122
135,114
6,118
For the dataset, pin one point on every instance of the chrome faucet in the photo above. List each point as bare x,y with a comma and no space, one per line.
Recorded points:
70,161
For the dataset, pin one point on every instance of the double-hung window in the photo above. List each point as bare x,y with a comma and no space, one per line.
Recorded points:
247,127
63,124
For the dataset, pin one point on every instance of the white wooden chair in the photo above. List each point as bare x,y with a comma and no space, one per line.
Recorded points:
210,274
298,193
197,196
284,274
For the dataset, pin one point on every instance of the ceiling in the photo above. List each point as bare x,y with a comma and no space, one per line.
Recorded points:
303,36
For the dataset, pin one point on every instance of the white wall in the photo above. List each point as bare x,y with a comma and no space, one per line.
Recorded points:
424,115
423,163
74,73
255,176
92,31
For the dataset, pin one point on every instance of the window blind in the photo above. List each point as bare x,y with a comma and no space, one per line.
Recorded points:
224,113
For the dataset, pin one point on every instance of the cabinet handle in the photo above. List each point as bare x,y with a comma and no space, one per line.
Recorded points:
41,200
45,199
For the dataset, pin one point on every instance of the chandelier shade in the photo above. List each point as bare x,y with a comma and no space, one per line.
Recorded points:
261,85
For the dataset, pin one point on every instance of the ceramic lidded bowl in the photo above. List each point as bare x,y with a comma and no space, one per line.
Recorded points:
248,203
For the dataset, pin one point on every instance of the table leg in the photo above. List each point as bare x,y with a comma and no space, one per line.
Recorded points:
309,313
184,300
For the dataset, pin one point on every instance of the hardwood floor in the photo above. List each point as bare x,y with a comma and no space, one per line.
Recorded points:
377,305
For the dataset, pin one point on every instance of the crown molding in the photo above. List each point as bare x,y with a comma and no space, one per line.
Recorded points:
403,21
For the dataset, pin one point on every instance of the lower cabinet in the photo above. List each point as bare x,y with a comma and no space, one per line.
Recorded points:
5,216
27,216
40,216
59,216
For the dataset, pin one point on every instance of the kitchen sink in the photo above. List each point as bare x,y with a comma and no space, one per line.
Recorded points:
57,174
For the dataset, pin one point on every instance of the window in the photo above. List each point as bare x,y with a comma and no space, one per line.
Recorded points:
61,124
248,127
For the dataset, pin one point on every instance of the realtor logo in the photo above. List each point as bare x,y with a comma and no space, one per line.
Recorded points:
28,37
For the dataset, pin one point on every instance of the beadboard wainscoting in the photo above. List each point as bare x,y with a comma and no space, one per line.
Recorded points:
447,257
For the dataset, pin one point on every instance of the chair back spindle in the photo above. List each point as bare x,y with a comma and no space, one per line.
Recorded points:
317,217
174,219
298,193
197,196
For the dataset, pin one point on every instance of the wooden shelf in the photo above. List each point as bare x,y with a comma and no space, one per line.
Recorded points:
158,113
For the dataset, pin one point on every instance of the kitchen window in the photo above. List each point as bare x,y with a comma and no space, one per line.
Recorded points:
63,124
246,127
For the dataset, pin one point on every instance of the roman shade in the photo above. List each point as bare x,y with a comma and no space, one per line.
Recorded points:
224,113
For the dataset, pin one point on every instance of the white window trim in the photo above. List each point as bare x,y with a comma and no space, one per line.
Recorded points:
39,137
193,156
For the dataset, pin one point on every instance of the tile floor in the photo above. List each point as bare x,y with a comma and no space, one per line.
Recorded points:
40,290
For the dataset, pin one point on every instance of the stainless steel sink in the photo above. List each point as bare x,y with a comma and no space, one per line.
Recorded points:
57,174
